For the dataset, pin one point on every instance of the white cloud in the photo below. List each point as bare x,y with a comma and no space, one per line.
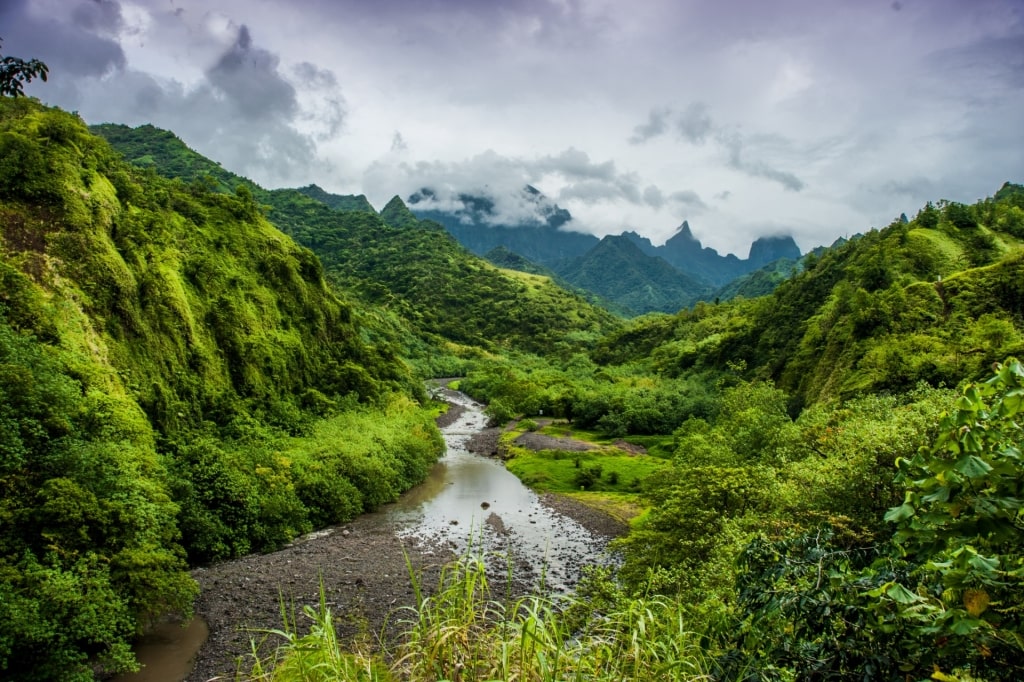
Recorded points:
819,118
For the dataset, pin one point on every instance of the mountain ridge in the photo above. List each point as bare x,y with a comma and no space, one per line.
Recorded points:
546,242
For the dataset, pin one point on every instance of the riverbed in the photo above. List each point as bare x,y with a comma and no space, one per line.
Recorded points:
469,502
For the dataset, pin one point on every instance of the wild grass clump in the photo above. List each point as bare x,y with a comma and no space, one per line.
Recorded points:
314,657
462,632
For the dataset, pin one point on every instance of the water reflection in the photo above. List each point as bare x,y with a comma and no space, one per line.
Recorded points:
467,494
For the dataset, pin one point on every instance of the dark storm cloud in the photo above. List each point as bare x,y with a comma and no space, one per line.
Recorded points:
249,78
99,16
688,200
313,75
575,164
694,124
654,197
75,49
245,111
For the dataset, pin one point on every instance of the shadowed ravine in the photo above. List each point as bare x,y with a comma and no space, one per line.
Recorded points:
467,498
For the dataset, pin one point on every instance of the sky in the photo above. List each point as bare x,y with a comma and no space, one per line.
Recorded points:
813,118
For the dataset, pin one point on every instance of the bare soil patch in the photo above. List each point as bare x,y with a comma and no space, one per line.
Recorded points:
539,441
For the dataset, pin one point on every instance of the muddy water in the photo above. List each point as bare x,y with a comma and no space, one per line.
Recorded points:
467,502
167,651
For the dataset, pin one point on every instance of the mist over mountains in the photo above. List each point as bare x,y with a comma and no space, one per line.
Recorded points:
627,270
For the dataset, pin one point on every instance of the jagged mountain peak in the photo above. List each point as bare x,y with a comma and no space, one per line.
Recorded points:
767,249
396,214
339,202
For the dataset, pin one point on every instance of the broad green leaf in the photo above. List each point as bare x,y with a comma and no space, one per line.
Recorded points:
941,494
965,626
972,441
983,563
972,466
900,513
902,595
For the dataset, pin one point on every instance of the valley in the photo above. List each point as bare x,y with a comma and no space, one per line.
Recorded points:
199,376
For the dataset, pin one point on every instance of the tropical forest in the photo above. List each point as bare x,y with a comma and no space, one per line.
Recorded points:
814,460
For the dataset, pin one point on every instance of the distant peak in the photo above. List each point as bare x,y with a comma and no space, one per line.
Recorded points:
683,237
397,214
764,250
396,203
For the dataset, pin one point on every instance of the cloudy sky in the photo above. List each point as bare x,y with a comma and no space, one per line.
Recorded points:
815,118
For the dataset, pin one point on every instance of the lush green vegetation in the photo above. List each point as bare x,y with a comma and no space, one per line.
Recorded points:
761,562
421,273
642,283
608,469
833,478
433,297
178,384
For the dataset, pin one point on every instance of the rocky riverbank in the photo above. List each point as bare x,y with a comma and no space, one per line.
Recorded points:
362,567
364,575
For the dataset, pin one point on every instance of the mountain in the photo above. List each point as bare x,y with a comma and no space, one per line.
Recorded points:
174,374
425,282
765,250
934,299
439,287
540,238
543,239
505,258
339,202
617,270
685,252
760,282
162,151
396,214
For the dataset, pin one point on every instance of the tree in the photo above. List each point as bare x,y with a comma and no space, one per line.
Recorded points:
942,598
961,525
14,72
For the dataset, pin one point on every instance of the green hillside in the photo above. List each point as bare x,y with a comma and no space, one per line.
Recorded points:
173,368
441,288
409,267
193,367
936,299
640,284
339,202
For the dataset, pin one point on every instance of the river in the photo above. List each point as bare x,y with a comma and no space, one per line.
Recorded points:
470,498
468,503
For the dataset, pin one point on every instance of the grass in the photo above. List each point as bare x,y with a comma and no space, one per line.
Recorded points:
560,471
462,633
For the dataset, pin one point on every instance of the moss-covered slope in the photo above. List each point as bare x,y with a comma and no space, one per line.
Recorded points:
409,266
178,383
937,298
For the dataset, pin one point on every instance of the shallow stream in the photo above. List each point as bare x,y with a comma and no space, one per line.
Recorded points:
468,503
470,498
